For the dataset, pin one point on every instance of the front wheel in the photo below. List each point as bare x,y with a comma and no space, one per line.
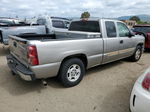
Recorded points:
137,54
71,72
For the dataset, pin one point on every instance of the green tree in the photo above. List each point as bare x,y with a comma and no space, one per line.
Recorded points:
85,15
141,22
135,18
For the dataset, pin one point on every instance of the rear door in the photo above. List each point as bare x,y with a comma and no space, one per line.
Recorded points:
111,41
126,43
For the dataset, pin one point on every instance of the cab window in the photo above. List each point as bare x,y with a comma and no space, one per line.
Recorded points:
122,29
85,26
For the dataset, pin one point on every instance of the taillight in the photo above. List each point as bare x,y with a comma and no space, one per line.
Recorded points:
146,82
32,55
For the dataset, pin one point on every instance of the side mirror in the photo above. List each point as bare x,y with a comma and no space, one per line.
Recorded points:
130,34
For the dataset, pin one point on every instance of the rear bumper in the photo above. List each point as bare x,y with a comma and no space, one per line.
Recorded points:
19,69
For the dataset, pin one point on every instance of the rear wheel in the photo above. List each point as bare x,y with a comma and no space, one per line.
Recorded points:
71,72
137,54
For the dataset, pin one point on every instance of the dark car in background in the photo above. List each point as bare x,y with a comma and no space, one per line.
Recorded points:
145,31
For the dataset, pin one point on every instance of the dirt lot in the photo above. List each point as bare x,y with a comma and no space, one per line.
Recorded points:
104,89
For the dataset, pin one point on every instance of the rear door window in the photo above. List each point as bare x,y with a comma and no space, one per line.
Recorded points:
110,29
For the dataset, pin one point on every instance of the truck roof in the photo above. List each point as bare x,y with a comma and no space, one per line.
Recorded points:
95,19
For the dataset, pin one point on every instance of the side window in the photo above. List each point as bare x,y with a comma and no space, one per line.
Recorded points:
58,24
111,29
123,29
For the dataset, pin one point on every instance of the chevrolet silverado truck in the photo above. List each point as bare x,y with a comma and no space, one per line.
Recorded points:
68,54
145,31
44,25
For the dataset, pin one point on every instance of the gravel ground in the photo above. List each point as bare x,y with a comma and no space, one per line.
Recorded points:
105,88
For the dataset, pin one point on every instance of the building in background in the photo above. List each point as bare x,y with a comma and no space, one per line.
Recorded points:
129,23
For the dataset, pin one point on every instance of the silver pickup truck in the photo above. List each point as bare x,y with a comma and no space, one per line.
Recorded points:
43,25
68,54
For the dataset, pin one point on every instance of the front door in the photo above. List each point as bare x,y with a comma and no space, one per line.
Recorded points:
126,44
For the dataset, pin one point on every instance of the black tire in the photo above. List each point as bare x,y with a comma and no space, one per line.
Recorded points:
147,49
13,73
137,54
64,72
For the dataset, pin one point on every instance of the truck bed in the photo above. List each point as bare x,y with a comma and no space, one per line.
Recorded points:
19,43
59,35
78,34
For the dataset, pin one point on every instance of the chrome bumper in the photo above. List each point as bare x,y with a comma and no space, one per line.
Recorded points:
19,69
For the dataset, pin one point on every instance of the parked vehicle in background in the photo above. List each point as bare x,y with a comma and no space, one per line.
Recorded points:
67,54
10,22
140,96
53,24
17,30
145,31
44,25
31,21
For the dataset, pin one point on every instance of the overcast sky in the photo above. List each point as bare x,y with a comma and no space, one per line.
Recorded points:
73,8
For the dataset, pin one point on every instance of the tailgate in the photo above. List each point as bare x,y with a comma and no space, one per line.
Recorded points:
18,48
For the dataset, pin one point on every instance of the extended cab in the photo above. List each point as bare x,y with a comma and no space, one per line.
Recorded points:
68,54
44,25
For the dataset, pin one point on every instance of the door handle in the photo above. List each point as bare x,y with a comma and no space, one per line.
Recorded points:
121,41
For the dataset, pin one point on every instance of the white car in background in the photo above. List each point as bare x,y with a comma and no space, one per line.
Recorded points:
140,96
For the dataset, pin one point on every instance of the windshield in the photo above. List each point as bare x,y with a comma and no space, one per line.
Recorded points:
86,26
143,29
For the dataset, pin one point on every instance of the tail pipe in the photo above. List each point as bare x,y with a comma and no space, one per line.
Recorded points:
44,82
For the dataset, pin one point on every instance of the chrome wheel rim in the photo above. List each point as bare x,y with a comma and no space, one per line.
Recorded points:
138,54
73,73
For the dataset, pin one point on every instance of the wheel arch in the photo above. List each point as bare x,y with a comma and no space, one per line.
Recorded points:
141,45
82,57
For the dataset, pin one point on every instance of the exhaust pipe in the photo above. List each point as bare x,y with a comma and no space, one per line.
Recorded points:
44,83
